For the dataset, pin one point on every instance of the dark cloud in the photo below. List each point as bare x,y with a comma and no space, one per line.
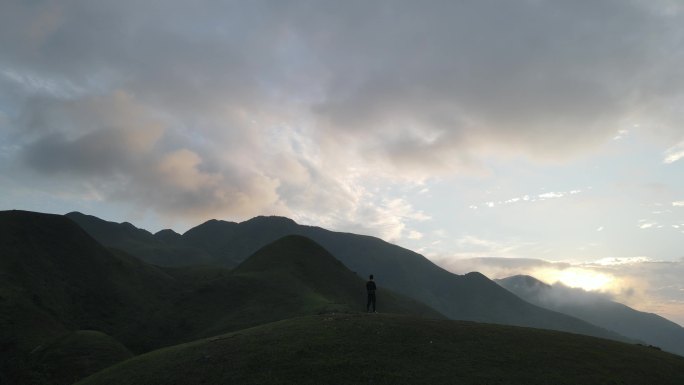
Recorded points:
269,105
543,77
101,152
560,294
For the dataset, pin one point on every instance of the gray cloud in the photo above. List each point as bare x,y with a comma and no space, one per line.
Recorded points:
239,108
561,295
127,153
543,77
499,267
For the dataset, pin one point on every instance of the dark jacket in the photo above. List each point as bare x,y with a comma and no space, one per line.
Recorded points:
370,286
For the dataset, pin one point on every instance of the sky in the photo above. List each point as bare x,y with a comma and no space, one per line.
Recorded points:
510,137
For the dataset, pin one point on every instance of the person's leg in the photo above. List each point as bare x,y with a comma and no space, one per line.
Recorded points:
368,303
373,300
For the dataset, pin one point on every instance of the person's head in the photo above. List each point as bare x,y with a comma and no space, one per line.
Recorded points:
371,277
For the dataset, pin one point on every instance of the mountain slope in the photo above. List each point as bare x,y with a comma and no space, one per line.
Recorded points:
158,249
299,261
57,280
646,327
290,277
65,273
78,354
468,297
390,349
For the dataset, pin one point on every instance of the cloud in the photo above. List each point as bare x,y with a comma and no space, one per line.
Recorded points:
620,261
519,86
527,198
496,267
388,219
674,153
559,294
301,108
128,154
95,136
621,134
640,282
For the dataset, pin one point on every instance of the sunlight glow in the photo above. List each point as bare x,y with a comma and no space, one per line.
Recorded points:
579,278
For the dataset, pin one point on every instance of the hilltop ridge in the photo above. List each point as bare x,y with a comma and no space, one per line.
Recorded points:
393,349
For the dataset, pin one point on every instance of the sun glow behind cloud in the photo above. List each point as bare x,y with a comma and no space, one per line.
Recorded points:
577,277
641,282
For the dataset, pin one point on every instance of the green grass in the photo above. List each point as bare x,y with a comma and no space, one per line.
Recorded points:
393,349
76,355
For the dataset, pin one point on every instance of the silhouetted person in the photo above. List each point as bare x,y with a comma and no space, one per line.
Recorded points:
370,288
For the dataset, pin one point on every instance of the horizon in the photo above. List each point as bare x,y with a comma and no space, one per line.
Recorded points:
493,136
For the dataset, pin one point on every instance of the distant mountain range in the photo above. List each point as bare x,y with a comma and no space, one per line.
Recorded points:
471,297
647,327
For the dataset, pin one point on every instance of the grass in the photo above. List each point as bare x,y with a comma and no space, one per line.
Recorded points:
393,349
76,355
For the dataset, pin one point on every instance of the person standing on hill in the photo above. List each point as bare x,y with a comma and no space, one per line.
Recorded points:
370,288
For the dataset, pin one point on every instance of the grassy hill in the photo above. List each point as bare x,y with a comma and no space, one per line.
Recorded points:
647,327
76,355
391,349
56,279
467,297
298,262
290,277
50,266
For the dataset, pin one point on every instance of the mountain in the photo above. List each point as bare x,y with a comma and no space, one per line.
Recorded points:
167,236
466,297
56,279
64,296
290,277
50,266
647,327
157,249
392,349
298,263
